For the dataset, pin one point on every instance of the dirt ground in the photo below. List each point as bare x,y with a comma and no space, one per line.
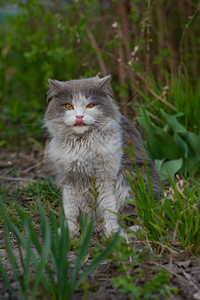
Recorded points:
184,270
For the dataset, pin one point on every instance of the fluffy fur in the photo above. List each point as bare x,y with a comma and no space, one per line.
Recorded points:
93,150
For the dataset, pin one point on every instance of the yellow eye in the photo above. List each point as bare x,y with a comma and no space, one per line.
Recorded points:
90,106
69,106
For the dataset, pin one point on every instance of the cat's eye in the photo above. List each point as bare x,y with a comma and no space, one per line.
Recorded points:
90,105
69,106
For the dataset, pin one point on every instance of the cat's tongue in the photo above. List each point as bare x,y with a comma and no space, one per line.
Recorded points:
79,121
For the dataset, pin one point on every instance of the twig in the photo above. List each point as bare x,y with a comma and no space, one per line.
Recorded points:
153,93
143,79
96,48
6,164
17,179
55,212
190,279
187,25
94,45
148,36
38,164
175,231
124,35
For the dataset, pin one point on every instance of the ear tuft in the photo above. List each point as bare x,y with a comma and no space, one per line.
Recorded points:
104,85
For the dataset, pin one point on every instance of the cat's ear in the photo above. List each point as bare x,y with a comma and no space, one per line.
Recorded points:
55,85
104,81
104,85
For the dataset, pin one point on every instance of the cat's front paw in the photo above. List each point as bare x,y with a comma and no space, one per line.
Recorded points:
73,228
110,228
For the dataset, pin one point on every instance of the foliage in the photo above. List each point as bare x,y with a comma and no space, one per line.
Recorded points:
20,226
132,276
170,222
69,42
176,215
182,204
155,288
65,40
45,189
173,153
27,195
48,256
150,211
177,96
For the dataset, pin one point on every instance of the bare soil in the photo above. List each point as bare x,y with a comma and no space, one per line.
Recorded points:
185,270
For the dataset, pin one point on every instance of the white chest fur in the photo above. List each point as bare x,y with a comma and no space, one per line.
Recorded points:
96,153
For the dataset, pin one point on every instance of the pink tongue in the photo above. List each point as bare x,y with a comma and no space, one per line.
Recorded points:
79,121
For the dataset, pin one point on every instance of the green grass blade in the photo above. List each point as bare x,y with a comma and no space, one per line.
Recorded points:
4,275
30,230
87,234
97,260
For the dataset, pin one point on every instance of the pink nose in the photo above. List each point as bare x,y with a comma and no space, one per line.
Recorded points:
79,120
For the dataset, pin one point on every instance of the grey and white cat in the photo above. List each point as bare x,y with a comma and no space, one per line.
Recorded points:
88,136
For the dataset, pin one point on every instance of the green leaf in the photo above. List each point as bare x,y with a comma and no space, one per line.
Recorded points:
4,275
193,141
168,168
98,259
87,234
182,145
172,121
160,144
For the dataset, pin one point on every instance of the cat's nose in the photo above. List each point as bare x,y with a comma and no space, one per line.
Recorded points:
79,120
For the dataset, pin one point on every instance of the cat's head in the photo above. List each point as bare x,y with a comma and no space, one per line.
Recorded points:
79,105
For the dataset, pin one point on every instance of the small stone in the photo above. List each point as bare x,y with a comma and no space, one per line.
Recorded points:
196,295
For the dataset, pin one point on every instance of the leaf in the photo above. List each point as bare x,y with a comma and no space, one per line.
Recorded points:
87,234
168,169
182,145
98,259
193,141
6,279
173,122
160,144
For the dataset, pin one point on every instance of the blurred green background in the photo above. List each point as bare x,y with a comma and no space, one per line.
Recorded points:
150,47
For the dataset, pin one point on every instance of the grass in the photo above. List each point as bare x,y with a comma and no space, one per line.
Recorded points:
156,288
31,215
176,95
26,195
44,262
174,217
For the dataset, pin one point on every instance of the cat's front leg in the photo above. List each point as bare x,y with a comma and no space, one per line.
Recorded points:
108,206
71,209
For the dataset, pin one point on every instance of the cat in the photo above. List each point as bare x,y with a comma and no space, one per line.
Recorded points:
88,135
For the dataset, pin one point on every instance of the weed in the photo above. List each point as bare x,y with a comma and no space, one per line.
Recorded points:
172,153
132,276
174,216
157,287
182,205
44,189
27,194
46,258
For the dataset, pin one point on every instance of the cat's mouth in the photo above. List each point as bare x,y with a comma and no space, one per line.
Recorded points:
79,121
80,125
